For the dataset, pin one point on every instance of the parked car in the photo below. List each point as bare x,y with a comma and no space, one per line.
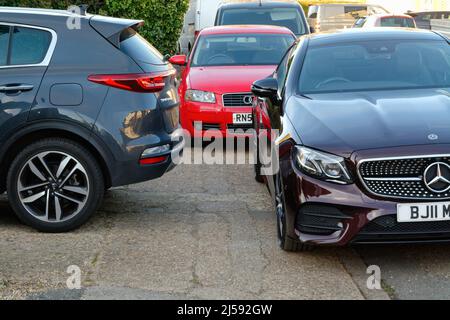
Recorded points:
387,20
423,19
215,88
364,142
287,14
81,111
332,17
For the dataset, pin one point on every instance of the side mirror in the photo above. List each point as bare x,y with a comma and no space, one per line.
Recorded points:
266,88
180,60
312,29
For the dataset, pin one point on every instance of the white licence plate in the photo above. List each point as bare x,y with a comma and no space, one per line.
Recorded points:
242,118
423,212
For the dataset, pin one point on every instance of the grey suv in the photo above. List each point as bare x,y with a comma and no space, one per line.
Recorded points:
85,104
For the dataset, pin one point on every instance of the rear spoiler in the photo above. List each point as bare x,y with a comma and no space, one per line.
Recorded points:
111,28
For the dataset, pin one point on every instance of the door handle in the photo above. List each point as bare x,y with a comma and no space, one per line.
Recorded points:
16,88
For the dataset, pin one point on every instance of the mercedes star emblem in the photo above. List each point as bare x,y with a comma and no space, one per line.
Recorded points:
437,177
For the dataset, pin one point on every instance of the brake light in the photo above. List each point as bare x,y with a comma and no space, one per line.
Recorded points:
137,82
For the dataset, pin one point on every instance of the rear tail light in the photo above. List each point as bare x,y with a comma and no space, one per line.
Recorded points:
137,82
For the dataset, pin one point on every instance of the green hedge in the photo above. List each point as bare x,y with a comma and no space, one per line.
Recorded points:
163,18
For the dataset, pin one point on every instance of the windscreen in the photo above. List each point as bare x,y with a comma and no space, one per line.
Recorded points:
283,17
241,50
376,65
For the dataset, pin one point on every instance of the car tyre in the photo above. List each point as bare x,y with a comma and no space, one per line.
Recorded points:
285,242
69,180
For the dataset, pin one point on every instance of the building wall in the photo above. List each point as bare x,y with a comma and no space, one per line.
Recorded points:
401,6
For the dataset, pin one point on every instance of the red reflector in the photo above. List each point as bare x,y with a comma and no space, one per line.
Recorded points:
137,82
153,160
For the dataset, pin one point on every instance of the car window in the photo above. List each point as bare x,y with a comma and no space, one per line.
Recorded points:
283,17
29,46
241,49
139,49
4,39
376,65
360,23
397,22
355,11
281,72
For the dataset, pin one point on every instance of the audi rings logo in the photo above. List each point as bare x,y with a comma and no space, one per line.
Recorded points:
248,100
437,177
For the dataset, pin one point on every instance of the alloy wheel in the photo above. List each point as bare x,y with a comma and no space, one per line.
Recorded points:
53,186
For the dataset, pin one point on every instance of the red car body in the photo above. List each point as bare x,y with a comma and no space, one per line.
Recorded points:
221,80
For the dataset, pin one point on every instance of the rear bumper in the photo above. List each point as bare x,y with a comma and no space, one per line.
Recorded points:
131,172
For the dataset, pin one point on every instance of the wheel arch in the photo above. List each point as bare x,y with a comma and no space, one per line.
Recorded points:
47,129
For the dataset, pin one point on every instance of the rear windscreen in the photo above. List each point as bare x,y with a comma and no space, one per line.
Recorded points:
139,49
283,17
397,22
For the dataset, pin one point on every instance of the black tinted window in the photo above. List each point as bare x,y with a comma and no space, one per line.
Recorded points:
4,39
29,46
136,47
397,22
283,17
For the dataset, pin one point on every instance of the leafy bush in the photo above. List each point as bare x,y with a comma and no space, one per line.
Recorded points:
163,18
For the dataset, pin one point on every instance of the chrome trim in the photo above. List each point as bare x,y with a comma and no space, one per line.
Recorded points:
358,166
246,93
50,50
395,179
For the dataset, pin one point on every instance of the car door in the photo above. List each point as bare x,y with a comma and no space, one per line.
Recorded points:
24,56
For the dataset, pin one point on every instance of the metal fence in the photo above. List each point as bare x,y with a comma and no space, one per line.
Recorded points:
442,26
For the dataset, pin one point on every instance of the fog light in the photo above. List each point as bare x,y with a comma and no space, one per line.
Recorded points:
155,151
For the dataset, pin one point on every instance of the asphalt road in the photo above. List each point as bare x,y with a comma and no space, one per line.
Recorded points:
202,231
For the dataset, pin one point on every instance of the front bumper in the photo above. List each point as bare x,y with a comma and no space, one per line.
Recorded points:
324,213
216,120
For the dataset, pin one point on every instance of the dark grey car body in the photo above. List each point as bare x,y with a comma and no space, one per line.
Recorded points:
85,104
116,125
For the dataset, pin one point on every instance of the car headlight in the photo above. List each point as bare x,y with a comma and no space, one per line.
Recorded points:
322,165
200,96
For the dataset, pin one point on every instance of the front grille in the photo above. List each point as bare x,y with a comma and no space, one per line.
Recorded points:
400,178
387,229
320,220
237,100
389,224
239,126
206,126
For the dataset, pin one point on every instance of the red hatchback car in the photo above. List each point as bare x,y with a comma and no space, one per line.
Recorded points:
225,61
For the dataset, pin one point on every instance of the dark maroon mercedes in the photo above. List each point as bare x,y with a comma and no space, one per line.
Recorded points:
364,144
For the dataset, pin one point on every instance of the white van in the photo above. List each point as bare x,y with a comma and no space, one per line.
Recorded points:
201,14
187,37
